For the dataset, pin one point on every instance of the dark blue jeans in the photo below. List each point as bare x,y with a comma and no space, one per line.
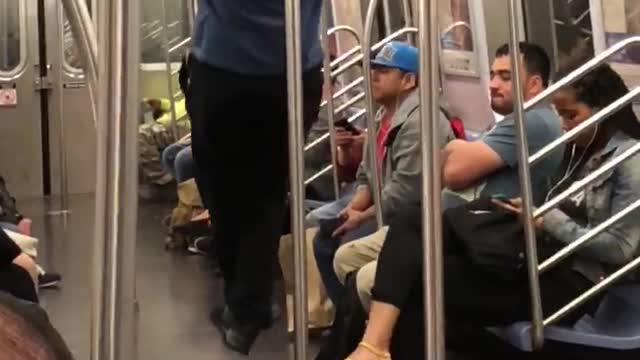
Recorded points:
324,250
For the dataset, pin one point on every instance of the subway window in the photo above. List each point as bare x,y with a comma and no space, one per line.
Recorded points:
10,35
152,28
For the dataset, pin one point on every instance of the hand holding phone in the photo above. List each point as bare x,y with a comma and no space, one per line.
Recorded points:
345,124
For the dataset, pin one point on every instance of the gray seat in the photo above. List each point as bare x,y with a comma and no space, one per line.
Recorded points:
616,325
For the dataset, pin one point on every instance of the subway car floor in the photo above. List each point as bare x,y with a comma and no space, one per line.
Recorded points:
175,291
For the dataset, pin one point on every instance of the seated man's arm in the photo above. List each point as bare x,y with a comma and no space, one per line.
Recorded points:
466,163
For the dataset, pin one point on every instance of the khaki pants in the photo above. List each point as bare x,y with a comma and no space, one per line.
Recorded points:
361,255
320,309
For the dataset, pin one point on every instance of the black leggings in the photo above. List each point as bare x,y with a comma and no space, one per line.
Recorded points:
17,282
473,298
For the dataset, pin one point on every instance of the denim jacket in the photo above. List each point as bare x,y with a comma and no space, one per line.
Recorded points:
610,194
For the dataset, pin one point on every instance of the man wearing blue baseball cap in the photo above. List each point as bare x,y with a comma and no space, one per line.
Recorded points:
394,87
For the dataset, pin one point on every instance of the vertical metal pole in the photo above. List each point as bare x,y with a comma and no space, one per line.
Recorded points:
429,40
83,30
374,172
192,15
170,89
386,9
4,39
328,81
554,34
296,169
408,20
113,335
537,336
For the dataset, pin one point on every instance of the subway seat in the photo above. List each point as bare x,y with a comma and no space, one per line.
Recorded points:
615,326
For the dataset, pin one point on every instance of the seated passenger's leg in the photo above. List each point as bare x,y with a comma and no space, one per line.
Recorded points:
365,279
330,210
324,250
352,256
152,138
184,165
169,157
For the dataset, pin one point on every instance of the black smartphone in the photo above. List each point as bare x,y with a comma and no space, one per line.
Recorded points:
345,124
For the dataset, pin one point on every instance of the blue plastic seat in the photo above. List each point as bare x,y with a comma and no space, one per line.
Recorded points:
615,326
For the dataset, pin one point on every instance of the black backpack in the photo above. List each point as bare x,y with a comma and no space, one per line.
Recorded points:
8,210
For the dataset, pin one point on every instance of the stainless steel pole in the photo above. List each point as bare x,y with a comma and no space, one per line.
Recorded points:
431,184
82,27
371,123
296,169
408,19
113,335
537,336
170,89
386,9
328,83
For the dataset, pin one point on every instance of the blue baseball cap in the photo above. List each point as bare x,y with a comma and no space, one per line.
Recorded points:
398,55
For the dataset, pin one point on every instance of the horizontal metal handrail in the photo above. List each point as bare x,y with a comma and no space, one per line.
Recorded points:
375,47
180,45
581,184
598,288
318,175
344,90
354,100
590,235
581,71
595,119
324,137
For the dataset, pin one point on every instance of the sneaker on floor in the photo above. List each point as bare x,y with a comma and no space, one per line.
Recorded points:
237,337
49,280
201,245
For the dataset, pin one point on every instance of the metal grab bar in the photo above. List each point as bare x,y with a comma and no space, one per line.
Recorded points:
354,100
374,173
429,83
324,137
296,173
376,46
601,286
344,90
180,45
85,36
576,245
328,82
581,184
595,119
168,71
582,70
537,329
317,175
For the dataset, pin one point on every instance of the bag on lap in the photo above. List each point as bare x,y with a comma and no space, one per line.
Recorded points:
492,238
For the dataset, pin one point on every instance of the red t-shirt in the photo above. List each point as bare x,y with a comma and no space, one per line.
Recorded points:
381,139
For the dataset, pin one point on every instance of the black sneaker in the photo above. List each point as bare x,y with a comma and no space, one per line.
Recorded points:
201,245
237,337
49,280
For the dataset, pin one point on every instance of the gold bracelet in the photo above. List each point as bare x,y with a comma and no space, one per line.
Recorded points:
374,350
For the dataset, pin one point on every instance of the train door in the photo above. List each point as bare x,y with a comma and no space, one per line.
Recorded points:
22,83
71,129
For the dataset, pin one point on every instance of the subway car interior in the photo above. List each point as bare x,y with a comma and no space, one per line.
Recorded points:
104,187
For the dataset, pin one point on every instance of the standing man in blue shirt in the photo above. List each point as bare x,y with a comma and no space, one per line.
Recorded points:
239,141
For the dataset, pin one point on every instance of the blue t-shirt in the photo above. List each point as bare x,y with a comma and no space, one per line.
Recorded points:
248,36
542,127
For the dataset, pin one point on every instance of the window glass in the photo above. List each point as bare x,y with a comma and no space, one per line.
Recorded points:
72,57
10,45
152,28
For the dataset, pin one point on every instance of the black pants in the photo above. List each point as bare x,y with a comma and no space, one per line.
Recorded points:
240,146
473,299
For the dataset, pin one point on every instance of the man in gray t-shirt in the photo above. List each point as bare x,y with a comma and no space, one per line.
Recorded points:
489,166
